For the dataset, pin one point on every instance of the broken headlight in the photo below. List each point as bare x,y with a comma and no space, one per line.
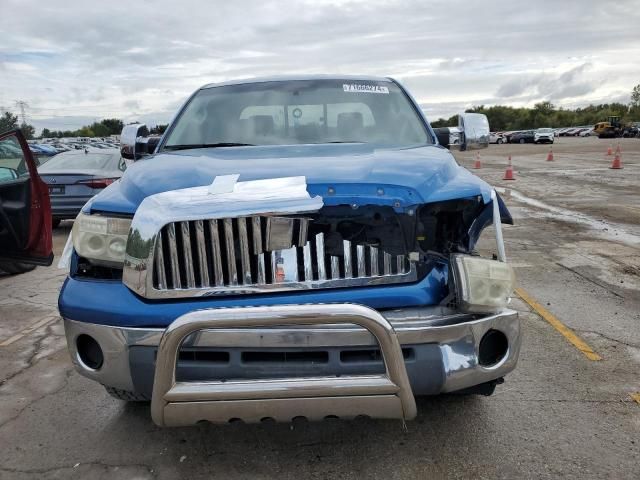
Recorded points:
481,285
101,240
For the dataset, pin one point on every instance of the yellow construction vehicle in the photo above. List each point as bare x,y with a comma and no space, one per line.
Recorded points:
612,128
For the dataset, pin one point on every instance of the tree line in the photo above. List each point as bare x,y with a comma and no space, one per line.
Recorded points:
103,128
9,121
545,114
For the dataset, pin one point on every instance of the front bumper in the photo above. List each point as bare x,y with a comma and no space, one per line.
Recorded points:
443,350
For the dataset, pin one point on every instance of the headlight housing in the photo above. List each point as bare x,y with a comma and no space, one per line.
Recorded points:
481,285
101,240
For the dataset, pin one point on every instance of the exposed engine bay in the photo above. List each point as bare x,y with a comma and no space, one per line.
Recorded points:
436,229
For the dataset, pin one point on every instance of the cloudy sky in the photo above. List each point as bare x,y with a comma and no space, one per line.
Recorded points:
75,61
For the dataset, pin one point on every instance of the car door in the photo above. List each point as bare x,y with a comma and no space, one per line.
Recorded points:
25,212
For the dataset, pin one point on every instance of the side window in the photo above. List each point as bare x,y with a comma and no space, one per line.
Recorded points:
12,161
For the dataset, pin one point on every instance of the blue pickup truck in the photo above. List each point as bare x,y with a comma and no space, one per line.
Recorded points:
291,247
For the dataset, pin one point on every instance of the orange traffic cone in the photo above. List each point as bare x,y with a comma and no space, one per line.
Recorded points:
617,162
550,155
478,164
610,150
508,174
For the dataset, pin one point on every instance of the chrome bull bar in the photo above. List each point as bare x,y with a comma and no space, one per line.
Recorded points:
385,395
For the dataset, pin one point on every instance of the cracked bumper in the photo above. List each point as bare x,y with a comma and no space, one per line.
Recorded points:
444,348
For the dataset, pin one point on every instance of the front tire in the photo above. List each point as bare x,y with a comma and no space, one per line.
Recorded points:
499,142
14,268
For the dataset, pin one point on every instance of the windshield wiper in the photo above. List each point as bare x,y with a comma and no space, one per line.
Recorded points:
207,145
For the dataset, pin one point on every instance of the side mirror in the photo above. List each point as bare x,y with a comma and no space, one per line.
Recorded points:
474,131
136,143
443,135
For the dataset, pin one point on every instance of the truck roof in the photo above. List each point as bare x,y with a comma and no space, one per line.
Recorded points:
285,78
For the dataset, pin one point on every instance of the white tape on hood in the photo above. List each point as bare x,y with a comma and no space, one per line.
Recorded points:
223,184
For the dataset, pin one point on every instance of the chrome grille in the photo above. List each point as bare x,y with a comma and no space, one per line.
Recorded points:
248,255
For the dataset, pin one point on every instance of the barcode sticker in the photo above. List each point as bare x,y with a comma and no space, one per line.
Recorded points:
364,88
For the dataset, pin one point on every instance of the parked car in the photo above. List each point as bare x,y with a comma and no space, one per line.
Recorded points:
526,136
454,136
496,138
587,132
61,147
294,248
25,225
632,130
543,135
42,150
507,136
74,177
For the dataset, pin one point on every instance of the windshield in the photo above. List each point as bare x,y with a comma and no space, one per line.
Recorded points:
544,130
299,112
82,161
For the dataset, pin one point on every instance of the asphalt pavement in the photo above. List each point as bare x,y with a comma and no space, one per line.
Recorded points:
562,413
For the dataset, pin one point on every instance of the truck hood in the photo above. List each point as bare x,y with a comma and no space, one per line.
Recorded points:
341,174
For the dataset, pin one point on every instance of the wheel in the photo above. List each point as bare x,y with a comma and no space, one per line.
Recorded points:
55,222
126,395
499,142
522,140
13,268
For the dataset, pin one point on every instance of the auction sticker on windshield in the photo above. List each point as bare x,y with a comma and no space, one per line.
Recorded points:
354,87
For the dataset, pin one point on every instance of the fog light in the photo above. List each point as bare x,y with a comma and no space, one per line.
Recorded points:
493,348
89,352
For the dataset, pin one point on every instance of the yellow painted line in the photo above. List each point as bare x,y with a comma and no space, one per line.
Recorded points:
636,397
565,331
31,328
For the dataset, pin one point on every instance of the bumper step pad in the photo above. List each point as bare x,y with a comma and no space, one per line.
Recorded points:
387,395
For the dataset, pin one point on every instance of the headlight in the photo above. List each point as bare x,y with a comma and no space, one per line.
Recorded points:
101,240
482,285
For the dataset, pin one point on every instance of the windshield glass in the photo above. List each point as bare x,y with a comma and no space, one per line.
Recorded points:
299,112
544,130
82,161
